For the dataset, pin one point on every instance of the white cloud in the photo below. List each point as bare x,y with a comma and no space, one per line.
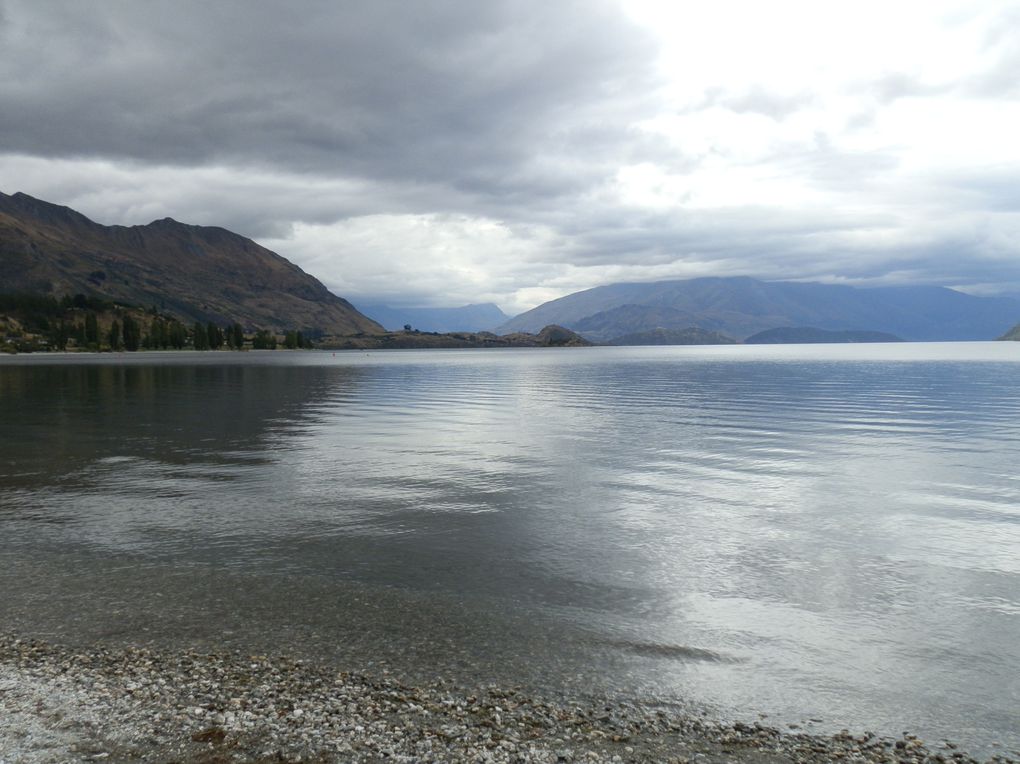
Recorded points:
415,258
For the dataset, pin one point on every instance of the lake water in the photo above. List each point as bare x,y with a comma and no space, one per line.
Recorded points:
829,535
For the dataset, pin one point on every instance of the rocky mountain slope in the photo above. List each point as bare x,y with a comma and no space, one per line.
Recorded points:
196,273
741,307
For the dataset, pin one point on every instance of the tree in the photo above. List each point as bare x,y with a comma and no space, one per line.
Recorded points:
238,333
215,336
60,333
264,340
176,334
200,338
114,335
91,329
290,340
132,334
157,334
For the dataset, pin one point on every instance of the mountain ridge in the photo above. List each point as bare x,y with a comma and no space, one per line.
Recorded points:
199,273
742,306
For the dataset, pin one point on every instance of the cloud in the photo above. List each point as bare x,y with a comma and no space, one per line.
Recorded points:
997,78
446,152
465,93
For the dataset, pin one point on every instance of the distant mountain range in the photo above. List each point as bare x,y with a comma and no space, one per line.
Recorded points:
741,307
195,273
467,318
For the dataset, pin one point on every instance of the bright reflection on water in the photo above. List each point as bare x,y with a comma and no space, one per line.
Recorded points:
815,531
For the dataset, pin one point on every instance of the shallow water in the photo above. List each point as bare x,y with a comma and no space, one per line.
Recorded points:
811,532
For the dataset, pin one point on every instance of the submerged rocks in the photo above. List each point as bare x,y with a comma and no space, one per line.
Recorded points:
133,705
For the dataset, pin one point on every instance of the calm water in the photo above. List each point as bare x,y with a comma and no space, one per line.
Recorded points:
826,533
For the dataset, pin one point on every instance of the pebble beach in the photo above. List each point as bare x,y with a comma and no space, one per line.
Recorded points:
124,704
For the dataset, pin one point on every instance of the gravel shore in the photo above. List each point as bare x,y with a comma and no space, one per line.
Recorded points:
140,705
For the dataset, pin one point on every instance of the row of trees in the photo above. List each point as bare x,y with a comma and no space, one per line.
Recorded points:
82,319
212,337
165,334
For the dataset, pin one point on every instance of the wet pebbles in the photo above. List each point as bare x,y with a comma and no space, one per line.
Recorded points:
128,705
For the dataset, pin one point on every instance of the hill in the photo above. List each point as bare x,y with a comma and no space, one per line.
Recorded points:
195,273
688,336
793,335
466,318
741,307
607,325
1012,334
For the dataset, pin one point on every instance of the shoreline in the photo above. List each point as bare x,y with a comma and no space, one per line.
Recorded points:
129,704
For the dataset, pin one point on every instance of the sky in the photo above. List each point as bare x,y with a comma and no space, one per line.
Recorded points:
441,152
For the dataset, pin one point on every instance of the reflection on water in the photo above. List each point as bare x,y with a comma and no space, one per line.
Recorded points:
809,531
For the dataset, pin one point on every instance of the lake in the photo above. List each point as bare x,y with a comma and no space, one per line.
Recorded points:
827,535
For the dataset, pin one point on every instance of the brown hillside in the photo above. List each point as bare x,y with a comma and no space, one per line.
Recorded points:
198,273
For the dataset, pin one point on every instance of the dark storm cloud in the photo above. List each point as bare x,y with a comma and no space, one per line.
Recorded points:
473,94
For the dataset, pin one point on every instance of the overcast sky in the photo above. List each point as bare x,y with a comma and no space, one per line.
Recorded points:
440,152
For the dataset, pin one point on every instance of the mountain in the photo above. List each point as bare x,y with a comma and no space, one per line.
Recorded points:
197,273
1012,334
793,335
742,306
689,336
467,318
554,336
607,325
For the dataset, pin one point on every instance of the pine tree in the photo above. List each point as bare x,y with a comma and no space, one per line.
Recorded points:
176,334
200,338
114,335
59,335
157,333
91,329
132,334
215,336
